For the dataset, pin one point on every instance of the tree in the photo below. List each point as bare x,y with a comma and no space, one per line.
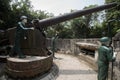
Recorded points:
12,10
4,12
82,26
78,28
113,13
91,18
20,8
97,31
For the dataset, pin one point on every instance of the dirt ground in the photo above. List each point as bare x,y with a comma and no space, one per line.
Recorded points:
70,68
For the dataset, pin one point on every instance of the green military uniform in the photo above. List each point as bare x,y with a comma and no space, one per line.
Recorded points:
20,34
104,57
53,44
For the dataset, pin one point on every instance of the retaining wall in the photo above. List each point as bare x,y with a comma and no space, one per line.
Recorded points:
69,46
116,68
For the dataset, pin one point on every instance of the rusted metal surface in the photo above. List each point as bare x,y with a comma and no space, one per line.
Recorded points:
35,44
28,67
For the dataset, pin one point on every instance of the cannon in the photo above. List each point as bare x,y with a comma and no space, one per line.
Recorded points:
35,45
62,18
36,42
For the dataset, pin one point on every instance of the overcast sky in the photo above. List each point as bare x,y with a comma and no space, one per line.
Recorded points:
63,6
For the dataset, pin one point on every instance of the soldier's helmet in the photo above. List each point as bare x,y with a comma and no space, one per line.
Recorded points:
23,17
104,39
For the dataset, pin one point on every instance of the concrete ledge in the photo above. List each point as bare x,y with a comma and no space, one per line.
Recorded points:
28,67
89,60
52,74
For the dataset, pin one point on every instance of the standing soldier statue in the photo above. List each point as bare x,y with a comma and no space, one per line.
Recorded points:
54,44
105,55
20,34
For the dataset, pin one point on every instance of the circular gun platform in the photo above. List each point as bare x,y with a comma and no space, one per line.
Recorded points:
29,66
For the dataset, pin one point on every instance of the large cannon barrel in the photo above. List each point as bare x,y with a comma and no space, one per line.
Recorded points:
62,18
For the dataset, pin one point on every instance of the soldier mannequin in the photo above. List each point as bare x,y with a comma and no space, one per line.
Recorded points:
105,55
20,34
54,44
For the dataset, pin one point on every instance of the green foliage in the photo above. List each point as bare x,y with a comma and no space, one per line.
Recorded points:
113,13
78,28
4,13
97,31
19,8
11,10
66,33
81,27
91,18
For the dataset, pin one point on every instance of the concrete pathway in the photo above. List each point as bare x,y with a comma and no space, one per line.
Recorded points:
70,68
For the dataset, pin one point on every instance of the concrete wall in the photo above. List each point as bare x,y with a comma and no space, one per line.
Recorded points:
116,68
69,46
